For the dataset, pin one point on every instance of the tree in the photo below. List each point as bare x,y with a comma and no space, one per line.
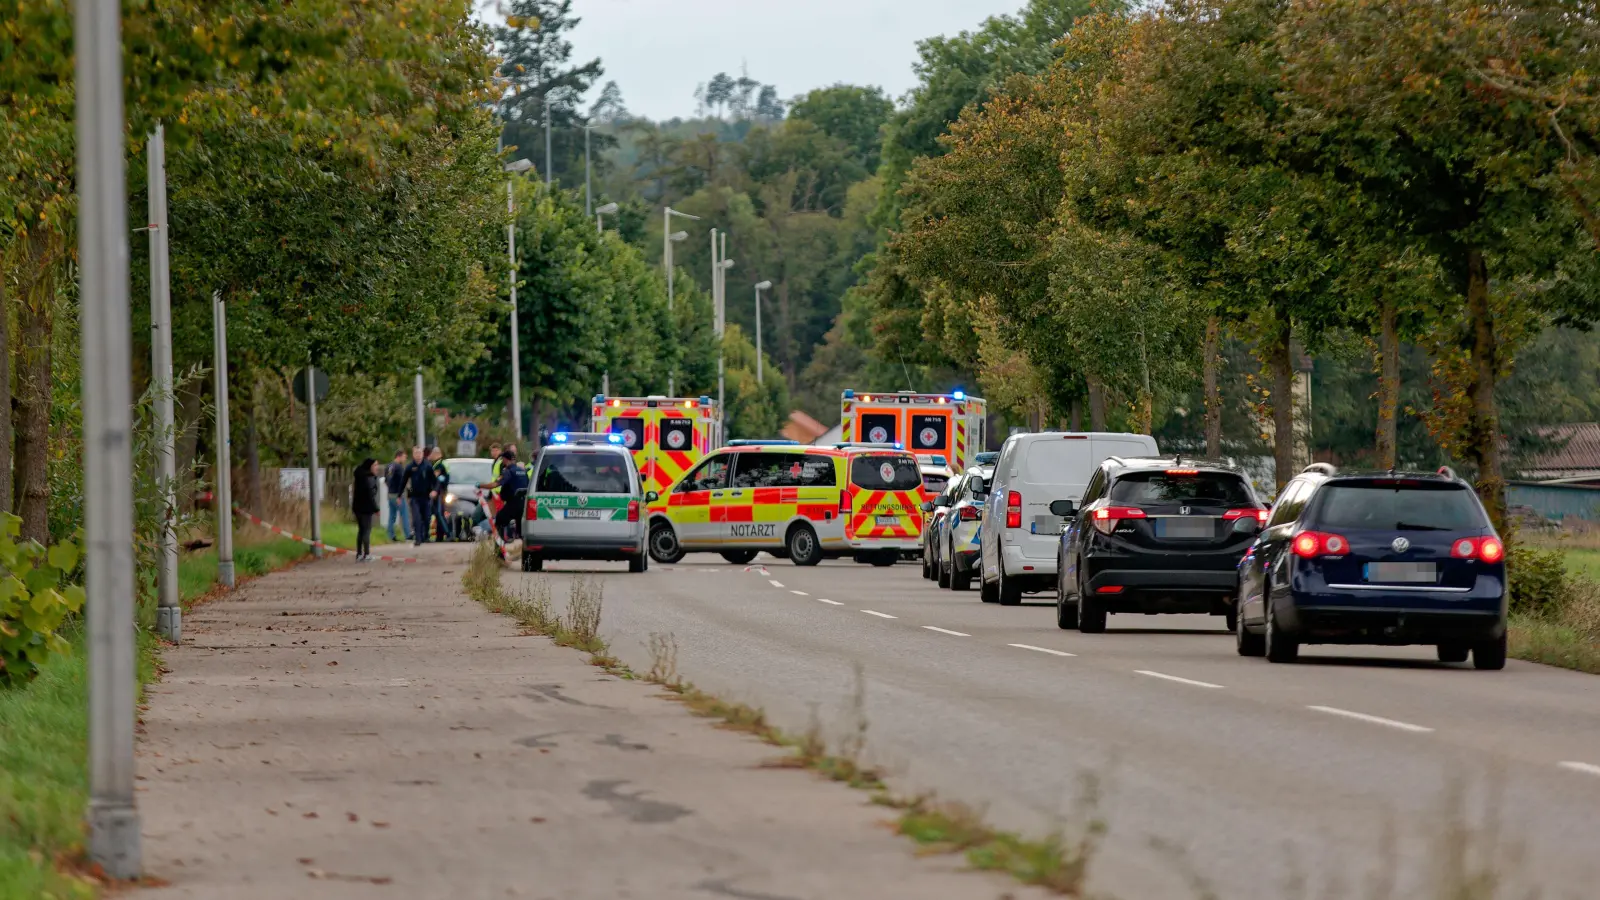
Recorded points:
536,65
609,109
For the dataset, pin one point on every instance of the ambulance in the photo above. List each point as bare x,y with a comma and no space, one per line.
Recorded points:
667,435
951,425
803,502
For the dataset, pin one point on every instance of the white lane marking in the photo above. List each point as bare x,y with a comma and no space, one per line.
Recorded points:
829,602
1586,768
801,593
776,584
1376,720
1163,675
1042,649
873,612
946,631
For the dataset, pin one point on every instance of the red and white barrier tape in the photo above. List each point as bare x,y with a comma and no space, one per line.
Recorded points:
340,551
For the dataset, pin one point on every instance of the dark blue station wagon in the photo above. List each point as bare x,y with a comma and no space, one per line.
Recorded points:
1375,558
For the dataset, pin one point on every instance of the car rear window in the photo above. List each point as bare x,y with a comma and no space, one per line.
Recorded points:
885,472
1387,505
583,472
1199,489
935,484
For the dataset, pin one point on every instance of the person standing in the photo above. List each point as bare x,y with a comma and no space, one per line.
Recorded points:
421,486
441,479
394,479
364,503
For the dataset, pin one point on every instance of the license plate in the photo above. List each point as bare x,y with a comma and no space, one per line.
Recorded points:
1186,529
583,513
1403,572
886,520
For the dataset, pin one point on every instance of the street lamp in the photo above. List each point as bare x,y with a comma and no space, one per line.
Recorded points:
599,222
668,238
760,286
512,168
719,269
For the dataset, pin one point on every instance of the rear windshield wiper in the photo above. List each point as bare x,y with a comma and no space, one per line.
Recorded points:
1409,526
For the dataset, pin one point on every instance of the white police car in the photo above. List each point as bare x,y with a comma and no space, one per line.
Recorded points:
585,501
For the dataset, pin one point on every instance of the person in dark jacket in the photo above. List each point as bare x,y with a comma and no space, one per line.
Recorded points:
422,485
513,484
441,477
395,480
364,503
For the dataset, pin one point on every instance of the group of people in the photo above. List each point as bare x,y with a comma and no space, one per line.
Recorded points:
416,492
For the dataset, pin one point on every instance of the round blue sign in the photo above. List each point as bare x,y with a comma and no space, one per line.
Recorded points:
468,432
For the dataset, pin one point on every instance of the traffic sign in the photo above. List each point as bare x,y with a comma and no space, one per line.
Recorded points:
300,385
468,432
466,448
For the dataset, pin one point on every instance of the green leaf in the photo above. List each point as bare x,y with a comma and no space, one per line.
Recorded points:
63,556
75,597
42,579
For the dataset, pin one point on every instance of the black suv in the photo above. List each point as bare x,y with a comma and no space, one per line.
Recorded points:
1375,558
1154,536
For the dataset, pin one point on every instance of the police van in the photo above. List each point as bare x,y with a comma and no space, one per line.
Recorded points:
801,501
585,501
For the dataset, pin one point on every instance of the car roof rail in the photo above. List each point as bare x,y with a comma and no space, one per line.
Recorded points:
758,442
1117,459
1320,468
857,445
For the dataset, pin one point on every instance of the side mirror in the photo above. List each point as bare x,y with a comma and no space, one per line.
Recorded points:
927,506
941,501
651,496
1246,525
980,495
1063,508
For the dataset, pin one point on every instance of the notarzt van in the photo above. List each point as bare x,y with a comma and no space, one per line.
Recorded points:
803,502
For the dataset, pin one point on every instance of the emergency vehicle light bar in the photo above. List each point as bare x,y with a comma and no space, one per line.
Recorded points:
856,445
757,442
563,437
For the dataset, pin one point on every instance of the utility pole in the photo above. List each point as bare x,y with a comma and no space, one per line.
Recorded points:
588,196
311,433
422,437
113,817
719,284
547,155
760,286
169,614
520,165
668,238
224,494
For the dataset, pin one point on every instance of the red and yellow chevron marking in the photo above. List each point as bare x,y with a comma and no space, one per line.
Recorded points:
960,460
863,522
848,422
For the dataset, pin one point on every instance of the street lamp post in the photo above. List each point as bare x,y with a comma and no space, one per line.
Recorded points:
719,268
760,286
547,155
599,222
521,165
668,238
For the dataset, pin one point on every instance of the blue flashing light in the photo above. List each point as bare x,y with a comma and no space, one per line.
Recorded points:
599,398
899,446
849,395
614,438
959,395
559,437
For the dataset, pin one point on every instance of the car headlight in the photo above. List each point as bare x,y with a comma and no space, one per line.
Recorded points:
449,498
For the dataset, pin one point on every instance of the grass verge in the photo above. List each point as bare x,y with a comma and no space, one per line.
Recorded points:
44,787
1565,631
1055,862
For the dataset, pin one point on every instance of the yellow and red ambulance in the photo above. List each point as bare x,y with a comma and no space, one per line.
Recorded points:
799,501
667,435
951,425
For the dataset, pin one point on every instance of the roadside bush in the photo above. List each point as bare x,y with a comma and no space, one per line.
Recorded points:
1539,581
33,602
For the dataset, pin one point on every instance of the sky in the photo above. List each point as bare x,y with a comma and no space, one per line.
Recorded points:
659,50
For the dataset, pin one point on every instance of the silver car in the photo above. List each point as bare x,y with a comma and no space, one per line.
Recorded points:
585,502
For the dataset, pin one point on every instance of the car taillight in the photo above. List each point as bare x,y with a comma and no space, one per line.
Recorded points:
1309,544
633,510
844,503
532,512
1260,514
1488,549
1106,517
970,514
1013,509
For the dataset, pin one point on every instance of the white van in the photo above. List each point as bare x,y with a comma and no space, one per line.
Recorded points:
1019,535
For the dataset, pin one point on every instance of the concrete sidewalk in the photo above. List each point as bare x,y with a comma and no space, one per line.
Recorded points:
347,731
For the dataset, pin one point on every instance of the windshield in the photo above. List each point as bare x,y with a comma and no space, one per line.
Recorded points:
935,482
1397,505
465,472
885,472
1199,489
583,472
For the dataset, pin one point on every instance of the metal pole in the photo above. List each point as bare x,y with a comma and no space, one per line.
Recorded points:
588,201
716,313
113,817
666,250
224,493
422,436
169,614
605,383
547,157
516,352
760,368
311,433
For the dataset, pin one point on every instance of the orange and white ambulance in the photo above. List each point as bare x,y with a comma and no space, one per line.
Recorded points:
951,425
667,435
804,502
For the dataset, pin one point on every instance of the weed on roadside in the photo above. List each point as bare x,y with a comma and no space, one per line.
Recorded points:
1053,862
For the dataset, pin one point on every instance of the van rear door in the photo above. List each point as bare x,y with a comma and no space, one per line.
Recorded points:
887,496
1051,467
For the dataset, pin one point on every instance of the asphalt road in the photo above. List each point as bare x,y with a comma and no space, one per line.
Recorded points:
1359,772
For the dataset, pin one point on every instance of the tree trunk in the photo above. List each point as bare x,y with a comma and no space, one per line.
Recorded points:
1213,390
35,324
1077,413
1484,425
6,433
1097,403
1281,366
1388,384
